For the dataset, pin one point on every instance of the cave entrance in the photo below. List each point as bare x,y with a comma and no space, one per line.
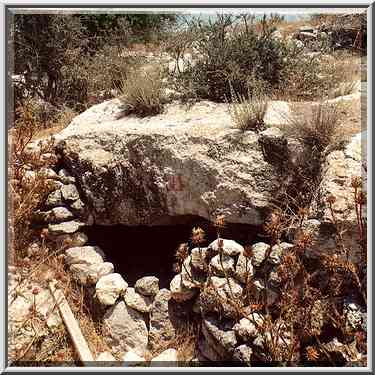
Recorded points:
138,251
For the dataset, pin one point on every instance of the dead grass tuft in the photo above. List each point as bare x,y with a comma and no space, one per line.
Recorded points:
142,92
247,112
318,128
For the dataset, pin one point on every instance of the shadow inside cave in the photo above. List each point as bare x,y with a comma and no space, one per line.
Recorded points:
138,251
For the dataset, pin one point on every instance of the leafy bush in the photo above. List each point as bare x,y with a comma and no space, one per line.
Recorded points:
142,92
230,49
247,112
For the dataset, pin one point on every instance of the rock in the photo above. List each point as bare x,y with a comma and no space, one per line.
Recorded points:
161,158
243,354
281,336
109,288
278,113
307,29
126,329
244,269
338,172
76,239
148,286
198,258
137,301
166,358
306,36
106,357
83,255
353,316
264,291
222,333
191,278
356,148
348,352
132,359
274,145
54,199
162,328
65,177
59,214
248,328
78,207
222,287
274,279
90,274
230,247
69,192
260,250
208,351
179,292
225,266
275,255
67,227
45,306
47,173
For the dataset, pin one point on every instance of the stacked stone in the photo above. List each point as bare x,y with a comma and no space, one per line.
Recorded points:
225,336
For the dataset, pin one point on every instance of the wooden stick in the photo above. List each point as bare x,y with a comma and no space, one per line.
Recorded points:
72,325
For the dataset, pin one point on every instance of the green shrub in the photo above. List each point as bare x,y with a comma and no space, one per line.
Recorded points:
232,49
142,93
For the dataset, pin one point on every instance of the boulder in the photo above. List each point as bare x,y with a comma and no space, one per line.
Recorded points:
68,227
230,247
76,239
243,355
244,269
166,358
125,329
224,337
109,288
138,171
90,274
132,359
224,289
137,301
59,214
54,199
147,285
248,328
69,192
338,172
65,177
259,250
83,255
179,291
226,266
162,326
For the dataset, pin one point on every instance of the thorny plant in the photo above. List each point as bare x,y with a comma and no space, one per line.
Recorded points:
297,327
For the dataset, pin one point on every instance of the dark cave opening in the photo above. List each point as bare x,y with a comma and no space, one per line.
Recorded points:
138,251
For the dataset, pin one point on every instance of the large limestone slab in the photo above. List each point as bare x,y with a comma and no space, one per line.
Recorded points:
193,161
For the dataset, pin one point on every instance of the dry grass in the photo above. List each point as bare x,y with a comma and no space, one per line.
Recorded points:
320,128
142,92
184,342
64,119
247,113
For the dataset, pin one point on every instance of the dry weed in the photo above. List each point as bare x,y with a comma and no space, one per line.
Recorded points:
247,112
142,92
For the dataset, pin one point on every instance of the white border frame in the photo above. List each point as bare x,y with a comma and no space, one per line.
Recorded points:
153,5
